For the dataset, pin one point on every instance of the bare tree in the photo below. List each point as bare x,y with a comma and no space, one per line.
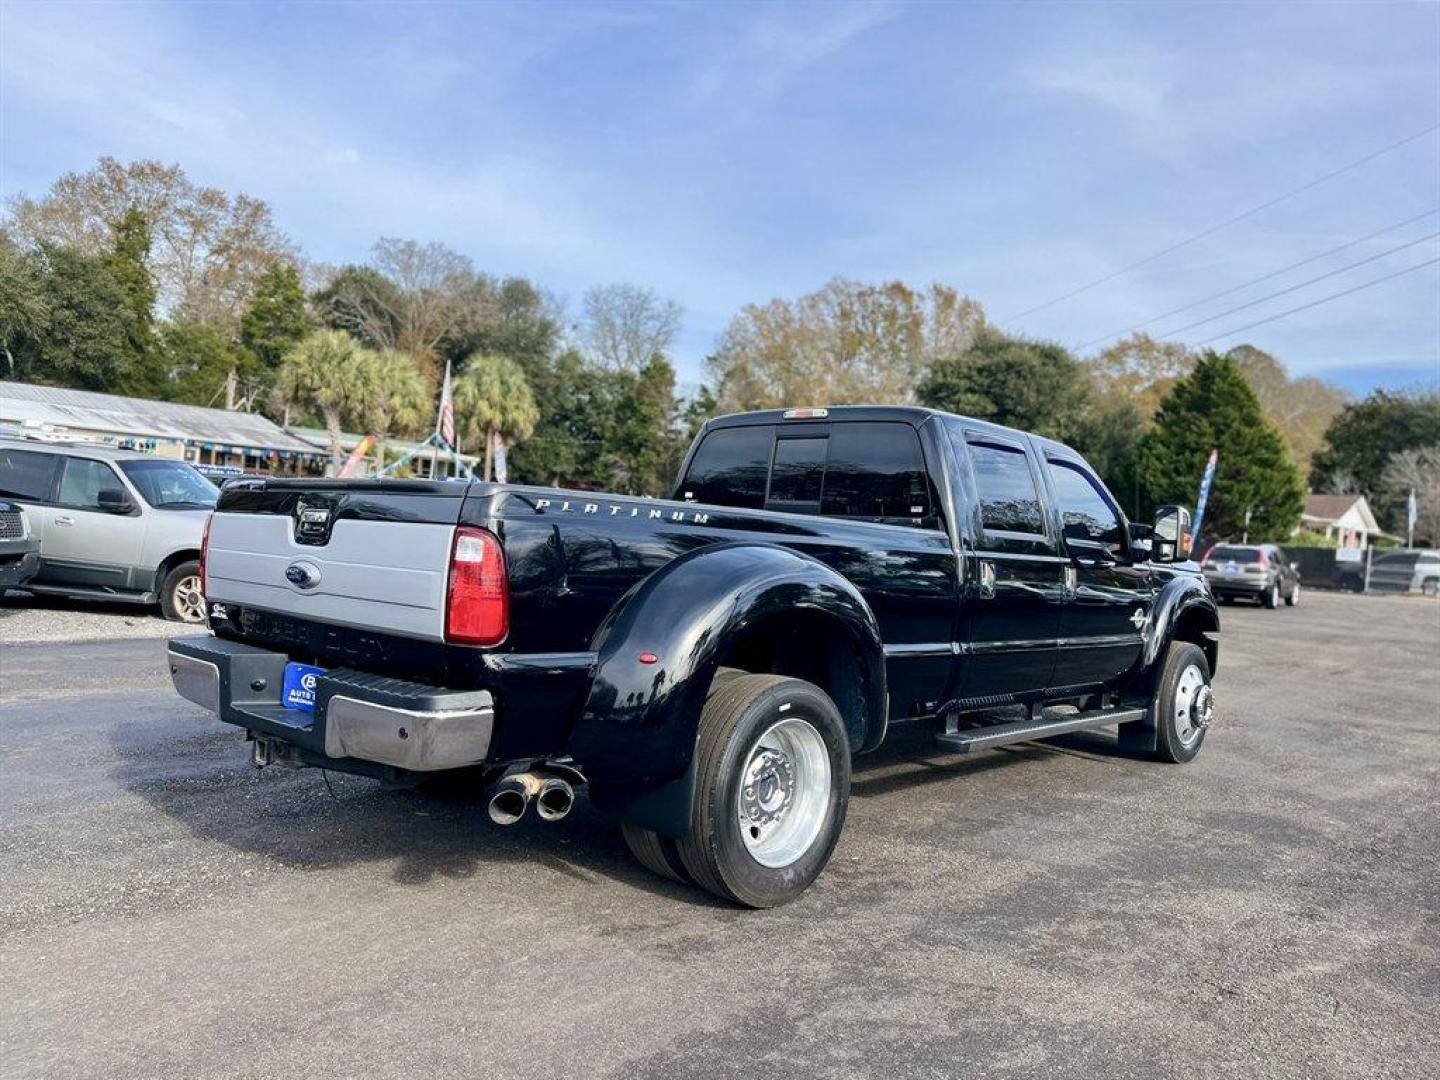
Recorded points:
208,247
410,298
625,325
850,342
1418,470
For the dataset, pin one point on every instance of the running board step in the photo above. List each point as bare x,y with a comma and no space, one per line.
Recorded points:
984,738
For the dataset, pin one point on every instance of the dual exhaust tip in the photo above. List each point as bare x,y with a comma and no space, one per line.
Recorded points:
553,796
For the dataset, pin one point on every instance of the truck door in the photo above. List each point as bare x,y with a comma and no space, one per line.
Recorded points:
1014,570
1108,603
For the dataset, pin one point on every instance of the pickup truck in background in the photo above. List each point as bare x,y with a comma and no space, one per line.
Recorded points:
708,665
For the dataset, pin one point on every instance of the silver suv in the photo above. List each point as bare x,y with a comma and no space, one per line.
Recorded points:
112,524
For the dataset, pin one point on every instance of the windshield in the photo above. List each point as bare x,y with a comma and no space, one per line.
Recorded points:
1221,553
171,485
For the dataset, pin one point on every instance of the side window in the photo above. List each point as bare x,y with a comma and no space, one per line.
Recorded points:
876,472
1082,503
82,481
730,468
1009,501
26,475
797,474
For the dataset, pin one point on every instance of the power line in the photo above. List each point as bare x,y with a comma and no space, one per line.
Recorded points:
1224,224
1296,288
1322,300
1256,281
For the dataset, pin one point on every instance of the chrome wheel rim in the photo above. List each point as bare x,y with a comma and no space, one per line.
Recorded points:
784,792
1274,595
1295,594
188,600
1194,705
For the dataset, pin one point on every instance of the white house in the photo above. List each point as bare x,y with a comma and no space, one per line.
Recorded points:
1346,518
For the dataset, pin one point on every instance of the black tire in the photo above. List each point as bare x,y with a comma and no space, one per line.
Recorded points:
1173,743
658,854
180,598
736,715
1271,599
1292,598
1430,586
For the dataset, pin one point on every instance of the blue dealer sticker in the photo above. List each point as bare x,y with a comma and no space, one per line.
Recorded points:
300,683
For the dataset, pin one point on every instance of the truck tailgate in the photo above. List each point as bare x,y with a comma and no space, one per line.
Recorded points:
360,555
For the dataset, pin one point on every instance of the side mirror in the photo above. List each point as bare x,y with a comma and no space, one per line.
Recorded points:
114,501
1170,535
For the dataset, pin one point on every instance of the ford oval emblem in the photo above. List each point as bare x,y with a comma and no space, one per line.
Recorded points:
303,575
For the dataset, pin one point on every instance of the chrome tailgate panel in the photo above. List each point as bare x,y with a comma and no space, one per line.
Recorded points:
385,575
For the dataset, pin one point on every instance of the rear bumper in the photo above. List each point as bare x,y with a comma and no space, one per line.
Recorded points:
358,717
1237,586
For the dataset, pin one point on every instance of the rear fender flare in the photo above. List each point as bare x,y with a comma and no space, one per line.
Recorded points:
635,739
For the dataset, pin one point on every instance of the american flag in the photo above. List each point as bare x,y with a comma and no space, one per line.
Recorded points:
446,423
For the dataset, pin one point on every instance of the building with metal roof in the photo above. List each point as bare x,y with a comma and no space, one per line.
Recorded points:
186,432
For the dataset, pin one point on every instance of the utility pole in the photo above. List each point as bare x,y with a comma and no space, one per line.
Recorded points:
1245,536
230,390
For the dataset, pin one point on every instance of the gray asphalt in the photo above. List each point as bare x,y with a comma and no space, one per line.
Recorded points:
1046,911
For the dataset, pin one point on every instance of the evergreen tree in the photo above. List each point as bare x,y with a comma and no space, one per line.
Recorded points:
275,319
1214,409
1032,385
128,261
85,340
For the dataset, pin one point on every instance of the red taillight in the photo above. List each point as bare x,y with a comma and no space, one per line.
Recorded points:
205,555
1264,562
478,609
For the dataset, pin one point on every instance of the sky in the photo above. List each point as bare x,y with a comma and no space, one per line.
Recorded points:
728,154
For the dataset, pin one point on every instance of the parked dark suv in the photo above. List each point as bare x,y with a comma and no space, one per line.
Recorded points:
1260,572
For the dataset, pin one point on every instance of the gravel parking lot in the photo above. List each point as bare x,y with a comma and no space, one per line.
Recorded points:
27,617
1057,910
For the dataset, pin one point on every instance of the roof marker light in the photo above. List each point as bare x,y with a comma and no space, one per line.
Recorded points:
806,414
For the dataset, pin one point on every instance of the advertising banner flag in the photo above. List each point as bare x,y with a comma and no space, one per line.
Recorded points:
1205,482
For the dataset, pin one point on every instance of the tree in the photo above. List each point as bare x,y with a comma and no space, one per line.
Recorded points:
625,326
333,374
1033,385
399,400
208,250
128,263
570,434
1214,409
24,313
1362,439
848,343
1300,408
275,319
200,363
1417,471
641,445
1140,370
492,398
85,338
512,318
360,301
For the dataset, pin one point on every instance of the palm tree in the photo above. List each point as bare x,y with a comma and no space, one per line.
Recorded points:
493,397
332,373
399,400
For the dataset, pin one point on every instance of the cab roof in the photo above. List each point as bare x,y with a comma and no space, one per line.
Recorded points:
914,415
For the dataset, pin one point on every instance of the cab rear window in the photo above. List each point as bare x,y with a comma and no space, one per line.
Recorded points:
1222,553
866,471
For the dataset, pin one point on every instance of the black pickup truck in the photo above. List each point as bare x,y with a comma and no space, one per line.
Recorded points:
708,665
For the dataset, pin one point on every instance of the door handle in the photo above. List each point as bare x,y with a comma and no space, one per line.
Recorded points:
1072,582
987,579
64,519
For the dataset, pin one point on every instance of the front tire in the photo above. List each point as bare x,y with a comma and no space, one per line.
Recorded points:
1271,598
180,596
1294,597
1185,705
772,782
